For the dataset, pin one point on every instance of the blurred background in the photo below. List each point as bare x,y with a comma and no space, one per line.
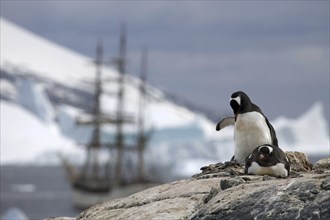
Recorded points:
110,97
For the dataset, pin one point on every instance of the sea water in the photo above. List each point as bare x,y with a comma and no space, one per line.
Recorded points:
35,192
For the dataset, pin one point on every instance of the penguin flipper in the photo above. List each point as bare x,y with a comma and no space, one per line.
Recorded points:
248,162
225,123
287,163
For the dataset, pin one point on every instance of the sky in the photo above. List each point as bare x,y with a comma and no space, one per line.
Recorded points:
202,51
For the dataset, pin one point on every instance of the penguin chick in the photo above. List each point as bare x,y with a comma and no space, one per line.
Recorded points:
251,128
268,160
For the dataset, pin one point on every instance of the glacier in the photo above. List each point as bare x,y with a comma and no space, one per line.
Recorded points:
45,87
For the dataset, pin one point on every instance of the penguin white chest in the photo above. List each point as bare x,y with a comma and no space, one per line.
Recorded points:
251,131
277,170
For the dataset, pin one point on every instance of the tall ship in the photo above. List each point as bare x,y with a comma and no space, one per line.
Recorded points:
98,180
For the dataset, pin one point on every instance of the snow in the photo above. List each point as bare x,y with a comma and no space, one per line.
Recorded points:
34,130
59,64
24,138
27,52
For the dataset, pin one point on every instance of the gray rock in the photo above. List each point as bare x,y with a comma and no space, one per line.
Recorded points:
209,196
326,184
300,198
322,165
307,197
228,168
299,161
222,191
266,177
230,182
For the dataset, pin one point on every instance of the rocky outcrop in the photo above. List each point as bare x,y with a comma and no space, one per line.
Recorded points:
322,165
221,191
299,161
296,198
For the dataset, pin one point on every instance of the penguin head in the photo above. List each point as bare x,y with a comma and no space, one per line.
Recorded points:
239,100
264,152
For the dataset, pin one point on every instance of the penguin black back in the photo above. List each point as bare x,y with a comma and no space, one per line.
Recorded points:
268,159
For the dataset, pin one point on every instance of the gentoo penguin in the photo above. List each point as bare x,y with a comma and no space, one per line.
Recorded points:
252,127
268,160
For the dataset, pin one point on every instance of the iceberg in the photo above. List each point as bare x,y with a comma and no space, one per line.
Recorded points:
309,133
25,138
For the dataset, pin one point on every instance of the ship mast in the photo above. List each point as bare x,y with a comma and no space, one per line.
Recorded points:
142,138
95,143
120,61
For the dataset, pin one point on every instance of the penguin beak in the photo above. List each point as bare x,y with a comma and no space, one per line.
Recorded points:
262,156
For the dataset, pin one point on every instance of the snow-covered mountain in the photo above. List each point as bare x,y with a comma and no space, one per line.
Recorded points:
44,88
